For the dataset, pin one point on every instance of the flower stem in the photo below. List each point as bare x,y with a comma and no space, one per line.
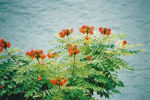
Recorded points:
68,38
74,56
59,88
38,60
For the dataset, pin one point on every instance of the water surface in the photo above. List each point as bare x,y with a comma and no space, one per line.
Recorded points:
29,24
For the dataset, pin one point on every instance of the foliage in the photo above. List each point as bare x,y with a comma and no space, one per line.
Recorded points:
78,66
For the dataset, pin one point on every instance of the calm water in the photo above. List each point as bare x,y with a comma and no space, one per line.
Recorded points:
30,24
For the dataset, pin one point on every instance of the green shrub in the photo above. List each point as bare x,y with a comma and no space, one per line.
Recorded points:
76,67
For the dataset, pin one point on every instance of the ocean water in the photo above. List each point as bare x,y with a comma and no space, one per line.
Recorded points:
30,24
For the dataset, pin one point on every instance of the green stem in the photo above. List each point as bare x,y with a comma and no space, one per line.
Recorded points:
74,56
68,38
59,87
38,60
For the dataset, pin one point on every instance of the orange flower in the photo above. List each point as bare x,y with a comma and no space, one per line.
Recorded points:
65,32
77,51
101,30
68,45
73,50
40,51
4,45
70,50
86,37
71,30
124,42
1,50
2,40
108,32
53,81
8,44
31,53
105,31
65,80
43,56
59,78
88,58
49,55
27,53
53,55
36,54
91,30
62,34
85,29
59,81
1,87
40,78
